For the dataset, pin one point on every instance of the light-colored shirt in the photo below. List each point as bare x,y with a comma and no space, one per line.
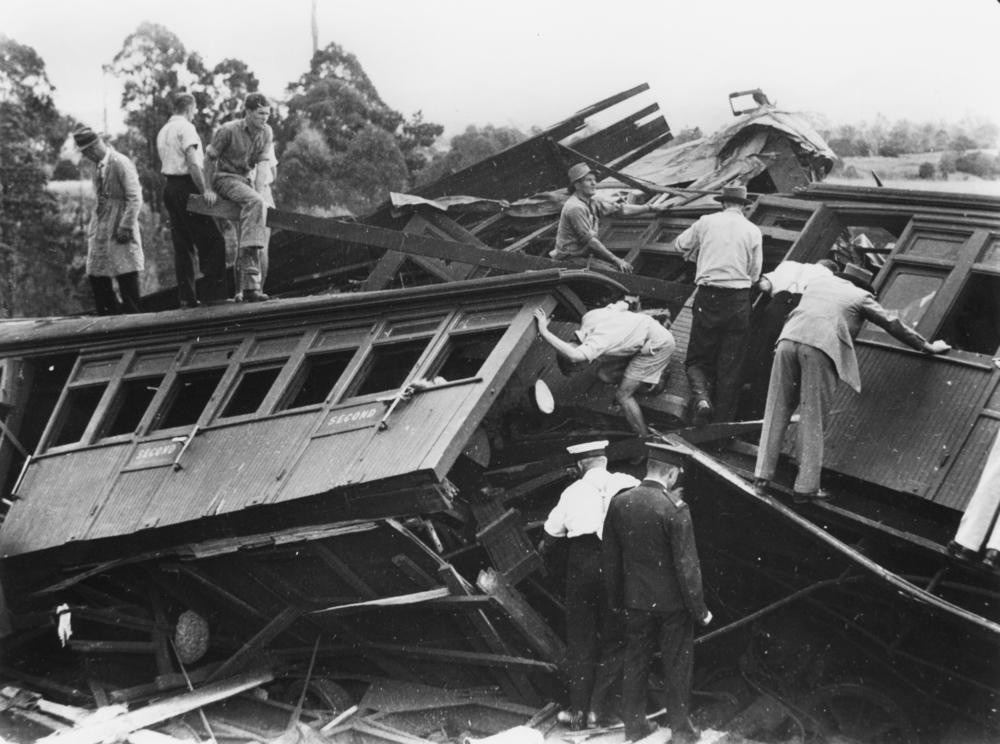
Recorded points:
173,141
794,277
728,248
579,222
237,147
609,331
583,504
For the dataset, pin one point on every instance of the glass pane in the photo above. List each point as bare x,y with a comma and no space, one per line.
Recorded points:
910,294
134,397
466,353
935,246
76,412
973,323
398,328
209,355
389,366
191,394
99,369
319,376
250,392
272,347
159,361
991,254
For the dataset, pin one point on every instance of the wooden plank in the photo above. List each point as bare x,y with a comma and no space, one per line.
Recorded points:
402,599
343,571
641,152
117,728
414,572
472,658
259,642
533,627
110,647
606,171
449,250
519,245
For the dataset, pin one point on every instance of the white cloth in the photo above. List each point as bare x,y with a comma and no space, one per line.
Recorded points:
173,141
614,332
583,504
728,248
979,527
794,277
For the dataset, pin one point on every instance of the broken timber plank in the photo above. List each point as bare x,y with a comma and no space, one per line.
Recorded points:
535,630
259,642
119,727
473,658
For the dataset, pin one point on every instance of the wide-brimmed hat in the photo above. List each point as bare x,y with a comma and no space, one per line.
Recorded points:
588,449
733,194
578,171
857,276
85,137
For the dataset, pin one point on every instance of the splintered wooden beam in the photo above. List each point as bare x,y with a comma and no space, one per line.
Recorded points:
119,727
472,658
450,250
259,642
535,630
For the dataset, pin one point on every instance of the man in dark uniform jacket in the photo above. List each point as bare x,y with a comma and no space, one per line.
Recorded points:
651,571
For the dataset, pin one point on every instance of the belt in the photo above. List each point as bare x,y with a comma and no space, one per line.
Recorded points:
178,175
713,288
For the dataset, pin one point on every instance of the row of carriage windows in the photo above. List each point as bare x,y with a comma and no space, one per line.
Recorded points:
124,394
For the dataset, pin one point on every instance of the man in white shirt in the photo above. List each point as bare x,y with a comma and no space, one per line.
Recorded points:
634,349
728,251
181,162
593,637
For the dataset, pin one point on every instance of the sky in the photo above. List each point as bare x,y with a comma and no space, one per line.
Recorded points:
527,63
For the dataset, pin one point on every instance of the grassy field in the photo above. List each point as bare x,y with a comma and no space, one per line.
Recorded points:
901,173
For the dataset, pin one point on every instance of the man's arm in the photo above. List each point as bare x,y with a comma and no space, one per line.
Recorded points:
578,223
681,536
896,328
133,201
198,176
260,170
756,255
567,350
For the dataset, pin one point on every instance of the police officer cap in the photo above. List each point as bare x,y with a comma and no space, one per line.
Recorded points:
588,449
666,453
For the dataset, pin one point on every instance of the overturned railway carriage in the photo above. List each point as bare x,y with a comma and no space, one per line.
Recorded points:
219,488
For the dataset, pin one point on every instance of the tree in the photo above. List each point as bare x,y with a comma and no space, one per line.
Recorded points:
40,258
307,174
220,93
371,167
471,146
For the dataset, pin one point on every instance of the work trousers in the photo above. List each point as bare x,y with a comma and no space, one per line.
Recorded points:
105,300
717,346
801,376
674,634
980,527
253,209
190,231
593,635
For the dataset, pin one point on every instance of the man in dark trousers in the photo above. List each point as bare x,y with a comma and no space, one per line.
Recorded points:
182,161
592,637
651,571
727,249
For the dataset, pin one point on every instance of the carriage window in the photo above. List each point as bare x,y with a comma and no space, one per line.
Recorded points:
134,397
910,294
252,388
77,410
190,395
973,323
388,366
465,354
318,376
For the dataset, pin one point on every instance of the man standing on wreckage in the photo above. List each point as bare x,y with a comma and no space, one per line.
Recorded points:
815,349
592,634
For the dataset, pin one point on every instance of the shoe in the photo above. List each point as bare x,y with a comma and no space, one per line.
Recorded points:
760,485
595,721
254,295
571,719
190,305
992,558
811,497
957,550
702,413
651,726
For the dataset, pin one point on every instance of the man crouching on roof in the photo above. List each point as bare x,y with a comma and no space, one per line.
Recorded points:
634,349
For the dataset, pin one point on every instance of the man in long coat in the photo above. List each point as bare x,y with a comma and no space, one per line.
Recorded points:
114,244
651,571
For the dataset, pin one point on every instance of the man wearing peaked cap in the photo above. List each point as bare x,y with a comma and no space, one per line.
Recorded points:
114,243
651,571
576,236
727,250
592,638
815,350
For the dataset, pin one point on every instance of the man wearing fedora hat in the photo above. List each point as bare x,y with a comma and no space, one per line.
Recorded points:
592,638
651,571
727,249
814,350
579,221
114,244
